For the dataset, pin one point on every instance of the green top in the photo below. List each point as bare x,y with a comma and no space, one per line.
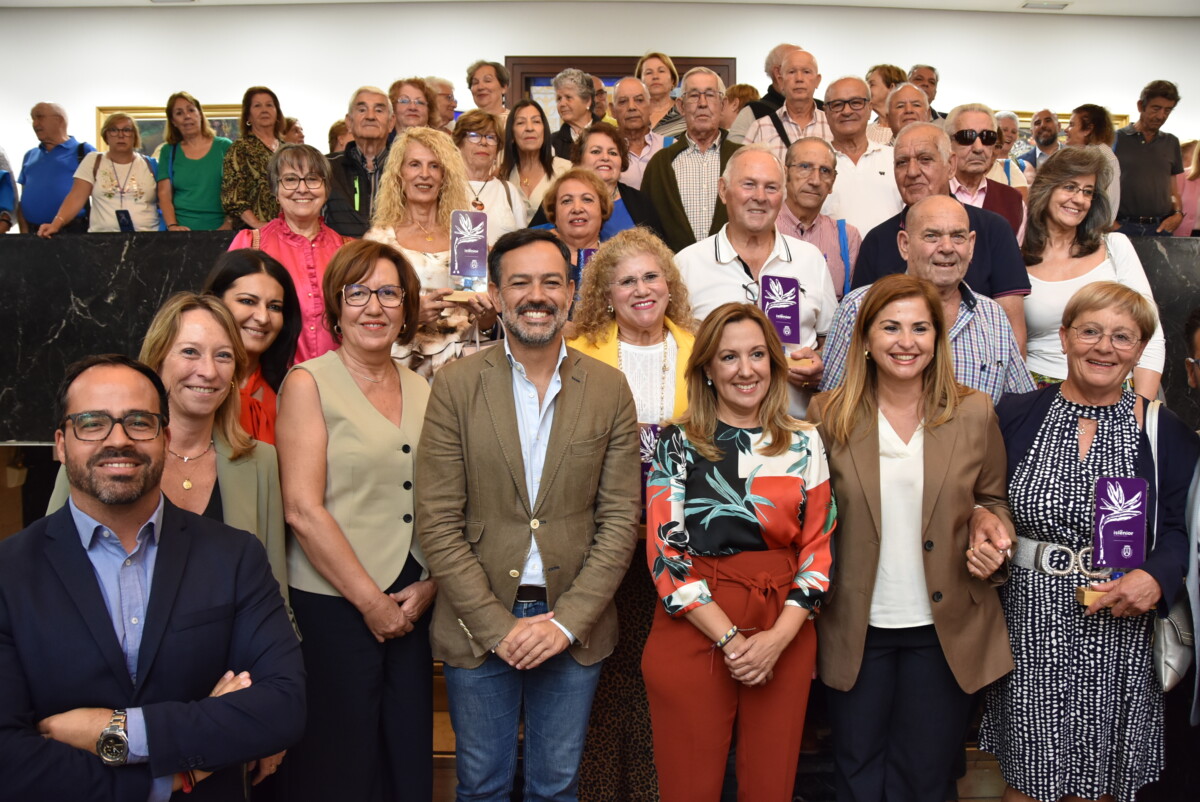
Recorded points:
196,185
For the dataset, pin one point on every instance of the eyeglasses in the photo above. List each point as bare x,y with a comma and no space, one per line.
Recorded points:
751,290
293,181
447,96
969,135
1075,189
855,103
1121,340
389,295
92,427
806,168
693,97
631,282
475,138
121,131
408,101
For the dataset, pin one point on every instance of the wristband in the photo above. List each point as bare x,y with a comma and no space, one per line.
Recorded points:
728,636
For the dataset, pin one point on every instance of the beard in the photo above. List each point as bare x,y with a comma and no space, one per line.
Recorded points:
533,337
1046,139
115,490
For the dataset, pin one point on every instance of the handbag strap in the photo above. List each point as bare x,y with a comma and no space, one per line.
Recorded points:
1152,433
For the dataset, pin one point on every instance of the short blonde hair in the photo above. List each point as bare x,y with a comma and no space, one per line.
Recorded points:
110,122
664,58
1113,295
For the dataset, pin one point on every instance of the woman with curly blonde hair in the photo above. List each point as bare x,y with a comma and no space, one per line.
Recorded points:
424,182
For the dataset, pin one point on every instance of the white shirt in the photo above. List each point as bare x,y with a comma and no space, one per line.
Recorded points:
864,194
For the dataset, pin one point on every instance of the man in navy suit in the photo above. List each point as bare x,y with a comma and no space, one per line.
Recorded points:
120,612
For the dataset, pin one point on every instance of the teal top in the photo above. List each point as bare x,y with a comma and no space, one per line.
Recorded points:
196,184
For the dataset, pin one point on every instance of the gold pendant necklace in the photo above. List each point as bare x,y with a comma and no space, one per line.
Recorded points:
187,481
428,233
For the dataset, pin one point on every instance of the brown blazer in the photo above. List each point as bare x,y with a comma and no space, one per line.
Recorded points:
964,466
475,519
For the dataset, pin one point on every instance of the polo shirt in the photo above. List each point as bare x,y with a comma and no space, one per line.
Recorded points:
865,193
1147,171
47,176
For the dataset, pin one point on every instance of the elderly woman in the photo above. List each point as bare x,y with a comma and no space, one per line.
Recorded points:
119,183
880,80
261,296
293,131
339,137
488,81
349,424
633,315
1091,126
1066,248
660,76
739,516
414,103
914,626
424,181
299,177
480,140
574,97
1081,715
189,175
246,193
529,162
577,205
1007,170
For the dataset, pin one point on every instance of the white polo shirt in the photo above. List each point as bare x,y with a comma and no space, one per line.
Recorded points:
865,194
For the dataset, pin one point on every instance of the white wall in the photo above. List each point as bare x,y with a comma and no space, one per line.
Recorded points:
314,55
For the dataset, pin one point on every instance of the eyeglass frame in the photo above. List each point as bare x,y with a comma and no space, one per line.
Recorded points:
297,179
1100,335
970,134
806,168
370,292
855,103
631,282
411,101
476,137
112,423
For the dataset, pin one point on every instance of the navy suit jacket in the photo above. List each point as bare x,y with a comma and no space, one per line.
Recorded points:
214,605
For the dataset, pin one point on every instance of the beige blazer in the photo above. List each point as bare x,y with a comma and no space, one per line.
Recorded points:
964,466
476,520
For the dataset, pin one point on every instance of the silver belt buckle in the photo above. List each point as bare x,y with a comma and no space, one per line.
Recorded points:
1090,572
1042,560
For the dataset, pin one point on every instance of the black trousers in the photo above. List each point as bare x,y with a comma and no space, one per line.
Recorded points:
898,731
369,735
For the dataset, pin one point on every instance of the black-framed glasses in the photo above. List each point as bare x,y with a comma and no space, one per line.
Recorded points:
293,181
855,103
1121,340
92,427
389,295
474,137
969,135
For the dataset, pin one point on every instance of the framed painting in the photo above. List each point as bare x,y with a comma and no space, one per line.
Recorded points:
152,123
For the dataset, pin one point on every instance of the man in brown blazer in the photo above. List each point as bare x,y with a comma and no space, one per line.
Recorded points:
527,502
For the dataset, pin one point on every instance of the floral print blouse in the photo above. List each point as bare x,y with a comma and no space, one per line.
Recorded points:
744,502
245,184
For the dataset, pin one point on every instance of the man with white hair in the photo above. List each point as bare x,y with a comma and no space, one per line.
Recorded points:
769,102
973,137
48,171
798,116
631,107
906,103
356,171
749,260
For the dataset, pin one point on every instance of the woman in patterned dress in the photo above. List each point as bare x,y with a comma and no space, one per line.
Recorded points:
739,515
1081,715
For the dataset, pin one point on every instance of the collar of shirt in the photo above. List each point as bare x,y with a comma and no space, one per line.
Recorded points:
790,224
89,528
69,144
725,253
692,147
966,309
286,234
818,117
356,155
520,369
958,190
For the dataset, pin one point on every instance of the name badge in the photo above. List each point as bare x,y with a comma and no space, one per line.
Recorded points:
1119,532
468,250
780,301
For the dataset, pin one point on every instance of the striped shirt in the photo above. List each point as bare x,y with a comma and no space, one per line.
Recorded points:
763,130
986,356
696,173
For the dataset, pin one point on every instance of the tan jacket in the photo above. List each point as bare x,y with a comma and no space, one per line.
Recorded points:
964,466
475,520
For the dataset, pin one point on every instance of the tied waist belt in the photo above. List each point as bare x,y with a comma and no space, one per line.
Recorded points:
1046,558
766,577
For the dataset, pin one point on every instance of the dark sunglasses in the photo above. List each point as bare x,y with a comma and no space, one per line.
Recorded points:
968,135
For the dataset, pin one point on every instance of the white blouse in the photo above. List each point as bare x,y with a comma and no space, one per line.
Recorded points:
650,371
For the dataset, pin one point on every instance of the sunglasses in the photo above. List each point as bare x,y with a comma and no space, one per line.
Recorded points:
968,135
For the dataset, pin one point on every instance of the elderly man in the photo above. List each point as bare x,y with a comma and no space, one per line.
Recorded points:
681,179
768,103
749,260
973,137
141,646
600,106
865,193
925,78
631,104
811,171
1150,159
924,164
906,103
936,245
528,539
355,172
799,115
48,171
447,104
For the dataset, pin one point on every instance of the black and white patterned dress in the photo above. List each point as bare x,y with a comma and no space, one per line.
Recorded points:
1081,713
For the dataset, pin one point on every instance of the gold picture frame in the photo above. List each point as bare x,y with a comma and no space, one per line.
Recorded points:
152,123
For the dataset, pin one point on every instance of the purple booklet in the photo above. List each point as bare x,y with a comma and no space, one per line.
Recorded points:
468,250
780,300
1119,535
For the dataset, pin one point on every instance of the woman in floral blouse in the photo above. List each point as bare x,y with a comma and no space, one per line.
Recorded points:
739,515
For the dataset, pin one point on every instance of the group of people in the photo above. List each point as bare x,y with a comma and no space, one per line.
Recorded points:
818,385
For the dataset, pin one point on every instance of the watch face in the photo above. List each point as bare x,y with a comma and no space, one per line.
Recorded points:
113,748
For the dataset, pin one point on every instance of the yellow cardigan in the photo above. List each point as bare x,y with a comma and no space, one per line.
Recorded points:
606,351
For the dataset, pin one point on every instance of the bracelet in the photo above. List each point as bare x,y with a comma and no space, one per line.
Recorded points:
189,781
728,636
172,225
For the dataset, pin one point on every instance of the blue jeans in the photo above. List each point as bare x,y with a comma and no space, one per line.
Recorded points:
485,709
1131,229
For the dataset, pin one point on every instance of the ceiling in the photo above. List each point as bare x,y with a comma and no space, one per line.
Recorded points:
1118,8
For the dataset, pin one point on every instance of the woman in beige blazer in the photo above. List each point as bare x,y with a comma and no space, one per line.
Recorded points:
914,625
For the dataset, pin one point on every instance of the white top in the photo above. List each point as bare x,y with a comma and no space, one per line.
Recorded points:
120,186
503,205
1015,177
650,371
900,599
865,194
534,201
1047,299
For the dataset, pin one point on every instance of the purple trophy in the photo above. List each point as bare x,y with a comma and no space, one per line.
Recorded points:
780,299
1119,536
468,250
